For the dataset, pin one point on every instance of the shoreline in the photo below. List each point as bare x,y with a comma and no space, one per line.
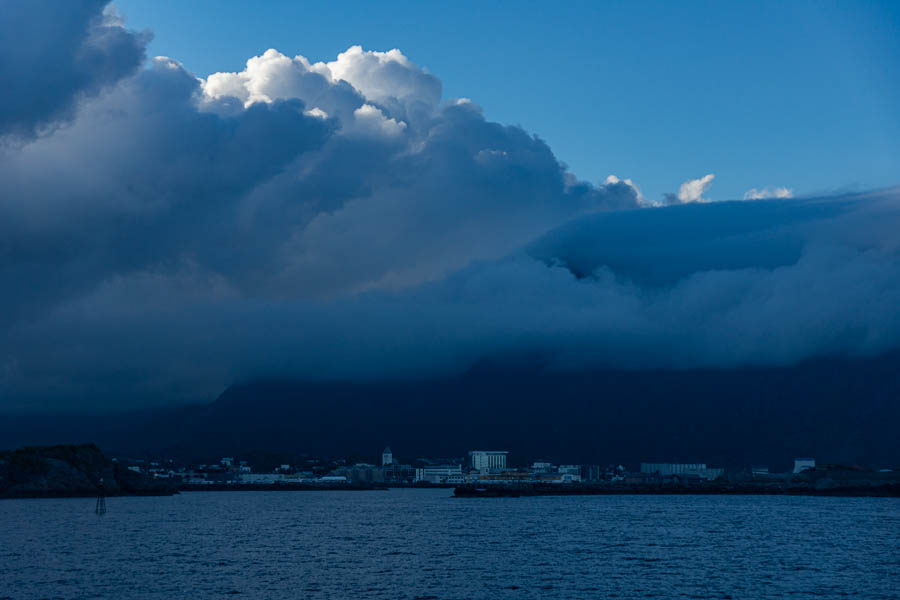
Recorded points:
281,487
501,491
891,490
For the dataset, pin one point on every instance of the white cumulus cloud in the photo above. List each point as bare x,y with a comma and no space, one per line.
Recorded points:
779,192
693,189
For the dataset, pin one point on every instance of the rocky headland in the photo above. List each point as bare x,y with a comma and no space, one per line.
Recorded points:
71,471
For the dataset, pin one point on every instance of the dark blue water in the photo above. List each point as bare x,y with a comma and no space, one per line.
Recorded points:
425,544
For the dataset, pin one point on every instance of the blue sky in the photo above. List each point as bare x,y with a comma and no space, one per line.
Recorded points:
802,95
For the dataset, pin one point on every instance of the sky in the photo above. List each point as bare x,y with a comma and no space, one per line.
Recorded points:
194,200
758,93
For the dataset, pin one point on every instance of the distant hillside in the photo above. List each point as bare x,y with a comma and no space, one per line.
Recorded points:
839,411
72,470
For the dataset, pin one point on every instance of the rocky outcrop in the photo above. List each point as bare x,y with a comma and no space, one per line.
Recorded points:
70,470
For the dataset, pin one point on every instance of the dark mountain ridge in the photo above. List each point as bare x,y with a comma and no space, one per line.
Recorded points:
836,410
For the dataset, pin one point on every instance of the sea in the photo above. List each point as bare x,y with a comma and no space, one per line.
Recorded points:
406,544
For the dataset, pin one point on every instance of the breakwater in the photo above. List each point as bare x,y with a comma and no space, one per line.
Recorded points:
279,487
881,489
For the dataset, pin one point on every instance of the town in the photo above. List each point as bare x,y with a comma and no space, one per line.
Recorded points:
489,470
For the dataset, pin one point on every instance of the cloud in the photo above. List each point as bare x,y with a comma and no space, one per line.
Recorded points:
781,192
369,120
388,79
613,180
74,50
691,190
342,219
729,284
385,81
274,76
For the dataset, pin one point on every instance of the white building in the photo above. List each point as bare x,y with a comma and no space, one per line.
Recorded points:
802,464
488,460
441,474
387,457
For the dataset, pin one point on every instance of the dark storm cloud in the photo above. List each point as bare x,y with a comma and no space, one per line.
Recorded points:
140,180
54,53
166,235
831,289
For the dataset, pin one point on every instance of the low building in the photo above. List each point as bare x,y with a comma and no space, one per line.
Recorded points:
803,464
682,470
711,474
640,478
397,473
198,480
332,479
262,478
592,473
558,477
360,473
440,474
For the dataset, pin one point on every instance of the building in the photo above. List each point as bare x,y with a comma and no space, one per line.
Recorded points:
397,473
262,478
681,470
711,474
488,460
440,474
592,473
802,464
558,477
387,457
666,469
759,470
360,473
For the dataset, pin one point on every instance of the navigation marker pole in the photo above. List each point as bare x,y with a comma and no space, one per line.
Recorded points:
101,499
